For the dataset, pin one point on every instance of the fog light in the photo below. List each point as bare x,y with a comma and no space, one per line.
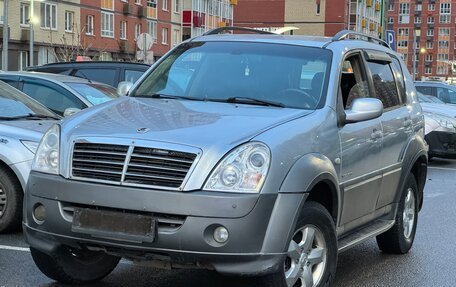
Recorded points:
39,213
221,234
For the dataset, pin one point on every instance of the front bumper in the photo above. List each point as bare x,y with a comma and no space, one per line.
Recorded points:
442,144
259,226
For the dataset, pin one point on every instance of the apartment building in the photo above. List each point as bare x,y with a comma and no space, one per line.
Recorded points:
199,16
313,17
432,24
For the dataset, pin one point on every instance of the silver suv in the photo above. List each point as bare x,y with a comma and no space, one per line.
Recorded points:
254,155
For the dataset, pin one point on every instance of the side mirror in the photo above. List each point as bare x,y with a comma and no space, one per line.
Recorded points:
70,111
124,87
364,109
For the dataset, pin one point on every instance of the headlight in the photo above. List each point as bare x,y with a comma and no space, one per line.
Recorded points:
443,121
30,145
47,156
242,170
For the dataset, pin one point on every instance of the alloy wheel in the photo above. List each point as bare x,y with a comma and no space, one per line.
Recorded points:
3,200
408,216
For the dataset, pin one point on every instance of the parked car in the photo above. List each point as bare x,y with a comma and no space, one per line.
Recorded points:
22,124
440,90
440,127
241,167
111,73
63,95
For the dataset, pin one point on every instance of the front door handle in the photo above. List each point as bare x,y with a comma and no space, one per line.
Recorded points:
407,122
376,134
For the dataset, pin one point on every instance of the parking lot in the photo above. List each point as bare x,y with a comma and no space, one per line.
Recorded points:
430,262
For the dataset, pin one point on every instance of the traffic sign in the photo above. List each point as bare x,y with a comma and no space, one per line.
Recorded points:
144,41
390,39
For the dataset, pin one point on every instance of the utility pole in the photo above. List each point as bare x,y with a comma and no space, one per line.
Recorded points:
414,55
31,33
5,36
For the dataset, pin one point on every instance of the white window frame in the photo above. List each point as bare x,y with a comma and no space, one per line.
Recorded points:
429,45
430,32
431,7
23,56
24,17
164,36
176,37
89,25
428,70
444,31
138,2
107,29
123,30
445,8
165,5
390,20
430,20
44,18
176,8
69,21
138,29
403,31
152,29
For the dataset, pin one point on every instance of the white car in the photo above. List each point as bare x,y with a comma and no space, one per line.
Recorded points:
440,126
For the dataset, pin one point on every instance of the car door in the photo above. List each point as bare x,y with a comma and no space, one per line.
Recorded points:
51,95
361,145
388,83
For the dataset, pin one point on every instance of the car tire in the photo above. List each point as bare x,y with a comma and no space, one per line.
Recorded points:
313,247
11,196
399,239
74,266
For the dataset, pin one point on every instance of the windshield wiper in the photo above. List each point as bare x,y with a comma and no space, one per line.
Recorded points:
30,117
163,96
247,100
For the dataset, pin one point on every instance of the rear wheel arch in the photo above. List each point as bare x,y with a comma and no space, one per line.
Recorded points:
419,171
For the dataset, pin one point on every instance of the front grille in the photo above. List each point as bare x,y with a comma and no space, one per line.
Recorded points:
127,165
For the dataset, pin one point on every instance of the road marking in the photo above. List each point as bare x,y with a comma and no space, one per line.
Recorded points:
15,248
444,168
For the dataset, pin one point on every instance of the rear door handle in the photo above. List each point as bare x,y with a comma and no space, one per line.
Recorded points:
407,122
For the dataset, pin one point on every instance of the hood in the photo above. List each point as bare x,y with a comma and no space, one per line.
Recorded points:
443,109
193,123
31,130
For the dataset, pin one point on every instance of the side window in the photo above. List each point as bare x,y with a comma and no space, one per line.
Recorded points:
425,90
54,99
446,95
396,66
11,82
107,76
132,75
353,82
384,84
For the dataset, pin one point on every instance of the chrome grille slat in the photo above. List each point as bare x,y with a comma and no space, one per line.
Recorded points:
131,165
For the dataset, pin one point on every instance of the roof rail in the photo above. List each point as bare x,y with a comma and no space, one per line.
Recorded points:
345,34
232,28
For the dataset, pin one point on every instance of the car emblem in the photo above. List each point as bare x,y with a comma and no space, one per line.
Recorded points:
142,130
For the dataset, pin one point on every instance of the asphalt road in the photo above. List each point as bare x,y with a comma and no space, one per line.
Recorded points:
431,262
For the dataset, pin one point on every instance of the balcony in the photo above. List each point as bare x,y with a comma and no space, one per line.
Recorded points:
1,32
142,12
123,46
127,8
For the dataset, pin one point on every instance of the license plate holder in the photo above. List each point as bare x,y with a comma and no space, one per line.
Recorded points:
114,225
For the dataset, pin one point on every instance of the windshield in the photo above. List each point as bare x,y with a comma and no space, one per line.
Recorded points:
15,104
286,75
95,93
435,100
423,99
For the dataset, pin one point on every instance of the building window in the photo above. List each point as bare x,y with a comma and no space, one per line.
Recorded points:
429,45
417,45
444,31
165,5
404,13
69,18
165,36
123,30
402,44
444,44
152,3
390,20
442,57
152,29
176,37
107,24
430,20
391,6
418,7
445,8
403,31
137,30
431,7
23,60
317,8
25,14
428,70
444,19
417,20
89,25
430,32
48,16
428,58
442,70
176,6
138,2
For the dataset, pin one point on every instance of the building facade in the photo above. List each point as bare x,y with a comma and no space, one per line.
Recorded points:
313,17
200,16
432,24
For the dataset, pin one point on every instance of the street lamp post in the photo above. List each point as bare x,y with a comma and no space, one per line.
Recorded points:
31,33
